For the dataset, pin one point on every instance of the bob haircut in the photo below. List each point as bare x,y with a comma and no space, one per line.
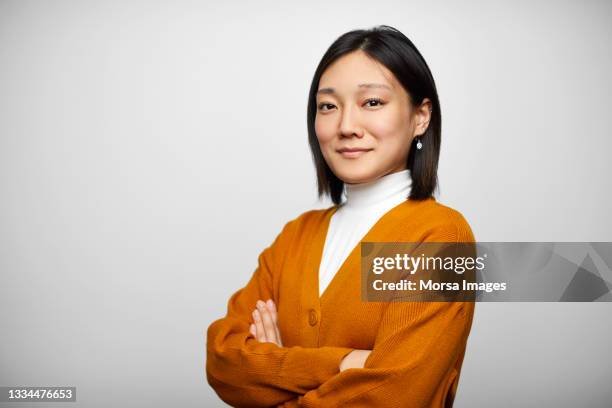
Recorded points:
395,51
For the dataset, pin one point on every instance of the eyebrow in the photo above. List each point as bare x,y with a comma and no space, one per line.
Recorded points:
370,85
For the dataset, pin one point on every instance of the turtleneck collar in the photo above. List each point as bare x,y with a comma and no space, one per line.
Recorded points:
391,187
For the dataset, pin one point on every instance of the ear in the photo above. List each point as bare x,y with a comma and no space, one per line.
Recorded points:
422,115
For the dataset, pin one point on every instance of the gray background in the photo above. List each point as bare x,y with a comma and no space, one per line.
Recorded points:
149,151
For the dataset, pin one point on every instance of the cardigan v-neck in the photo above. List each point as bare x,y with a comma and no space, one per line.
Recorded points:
364,205
347,281
417,347
318,244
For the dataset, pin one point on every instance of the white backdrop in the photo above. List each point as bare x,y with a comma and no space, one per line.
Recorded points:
149,151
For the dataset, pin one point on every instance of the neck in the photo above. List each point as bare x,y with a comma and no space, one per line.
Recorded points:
392,187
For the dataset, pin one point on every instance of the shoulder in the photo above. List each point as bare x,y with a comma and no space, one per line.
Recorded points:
443,214
309,220
437,220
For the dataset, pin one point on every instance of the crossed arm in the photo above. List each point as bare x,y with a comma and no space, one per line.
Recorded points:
248,365
246,372
414,361
417,344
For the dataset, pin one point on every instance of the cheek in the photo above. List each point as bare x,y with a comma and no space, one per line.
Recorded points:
390,124
391,129
324,130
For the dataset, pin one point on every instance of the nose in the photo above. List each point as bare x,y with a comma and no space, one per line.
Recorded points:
349,124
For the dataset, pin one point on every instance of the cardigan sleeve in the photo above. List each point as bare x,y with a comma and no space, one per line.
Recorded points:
414,359
245,372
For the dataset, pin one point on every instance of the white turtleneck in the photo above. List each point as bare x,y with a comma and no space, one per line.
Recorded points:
364,205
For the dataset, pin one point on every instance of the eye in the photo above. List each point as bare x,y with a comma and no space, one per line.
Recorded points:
323,105
376,101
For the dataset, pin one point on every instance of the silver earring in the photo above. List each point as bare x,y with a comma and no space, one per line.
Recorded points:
419,145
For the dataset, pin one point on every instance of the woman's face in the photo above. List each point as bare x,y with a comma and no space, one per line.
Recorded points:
361,105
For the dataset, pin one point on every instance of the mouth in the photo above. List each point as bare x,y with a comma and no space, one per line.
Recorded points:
353,153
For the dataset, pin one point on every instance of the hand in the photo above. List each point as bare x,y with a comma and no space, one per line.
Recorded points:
265,326
354,359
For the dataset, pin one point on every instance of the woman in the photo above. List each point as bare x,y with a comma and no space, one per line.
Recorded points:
298,334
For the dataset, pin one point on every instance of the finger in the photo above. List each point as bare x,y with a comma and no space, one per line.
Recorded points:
363,357
278,337
253,330
272,309
260,332
274,312
268,325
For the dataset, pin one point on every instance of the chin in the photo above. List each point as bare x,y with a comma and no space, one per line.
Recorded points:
356,174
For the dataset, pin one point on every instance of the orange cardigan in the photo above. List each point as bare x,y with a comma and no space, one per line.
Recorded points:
417,347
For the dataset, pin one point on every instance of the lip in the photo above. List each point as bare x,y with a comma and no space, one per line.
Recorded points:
353,152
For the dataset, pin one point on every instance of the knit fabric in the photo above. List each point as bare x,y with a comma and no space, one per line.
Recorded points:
417,347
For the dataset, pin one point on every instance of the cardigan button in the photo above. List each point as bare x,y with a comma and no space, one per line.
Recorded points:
312,317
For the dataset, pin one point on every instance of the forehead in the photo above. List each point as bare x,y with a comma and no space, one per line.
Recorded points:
350,70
